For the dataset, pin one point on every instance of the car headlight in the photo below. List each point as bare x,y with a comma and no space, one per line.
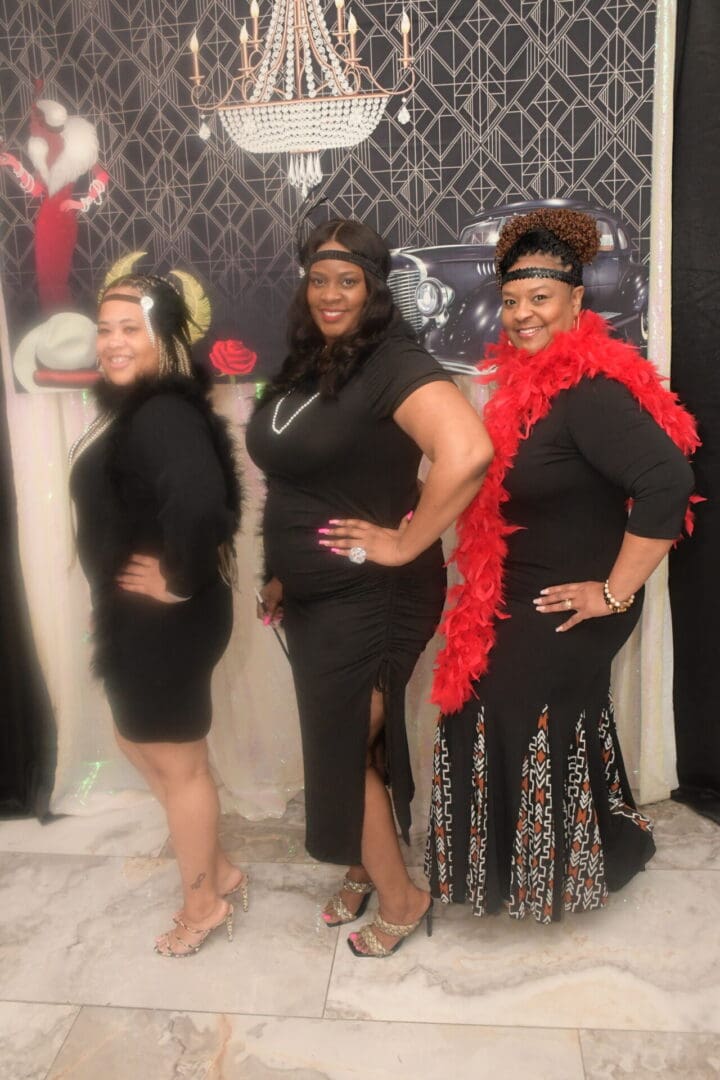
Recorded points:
430,297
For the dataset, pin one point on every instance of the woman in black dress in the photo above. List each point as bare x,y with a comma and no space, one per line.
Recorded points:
157,502
531,807
354,556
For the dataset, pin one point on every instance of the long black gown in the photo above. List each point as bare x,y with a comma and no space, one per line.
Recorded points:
349,628
530,804
160,481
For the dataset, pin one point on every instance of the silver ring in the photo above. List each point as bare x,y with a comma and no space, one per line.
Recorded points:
568,603
357,555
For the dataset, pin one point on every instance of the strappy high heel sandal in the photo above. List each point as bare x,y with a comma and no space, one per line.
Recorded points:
239,892
164,944
336,905
373,947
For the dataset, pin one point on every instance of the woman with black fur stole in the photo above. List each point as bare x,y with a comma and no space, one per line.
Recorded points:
157,499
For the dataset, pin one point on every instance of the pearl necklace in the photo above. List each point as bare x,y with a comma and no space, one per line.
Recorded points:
278,429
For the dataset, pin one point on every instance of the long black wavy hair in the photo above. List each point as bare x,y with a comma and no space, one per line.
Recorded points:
310,359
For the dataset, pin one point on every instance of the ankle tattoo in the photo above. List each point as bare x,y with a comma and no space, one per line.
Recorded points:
198,881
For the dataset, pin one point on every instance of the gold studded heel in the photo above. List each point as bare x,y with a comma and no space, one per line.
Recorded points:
370,942
170,945
241,892
336,908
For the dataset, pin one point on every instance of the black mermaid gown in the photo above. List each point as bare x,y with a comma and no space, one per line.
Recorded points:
349,628
531,804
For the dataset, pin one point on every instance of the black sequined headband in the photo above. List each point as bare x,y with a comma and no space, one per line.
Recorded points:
348,256
570,277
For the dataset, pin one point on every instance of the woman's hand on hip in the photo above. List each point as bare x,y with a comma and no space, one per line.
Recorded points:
270,602
584,598
143,575
360,540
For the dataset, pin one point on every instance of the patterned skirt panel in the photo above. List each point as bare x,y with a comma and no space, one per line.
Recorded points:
533,860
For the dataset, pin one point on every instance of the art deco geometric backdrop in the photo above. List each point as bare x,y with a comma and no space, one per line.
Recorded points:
512,99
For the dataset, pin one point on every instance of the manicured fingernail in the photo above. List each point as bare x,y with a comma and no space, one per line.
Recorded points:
323,530
336,551
543,592
409,515
334,521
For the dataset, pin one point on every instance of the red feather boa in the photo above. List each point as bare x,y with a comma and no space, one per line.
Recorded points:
526,386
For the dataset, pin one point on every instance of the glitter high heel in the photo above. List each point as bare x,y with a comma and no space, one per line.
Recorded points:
374,948
164,944
240,891
336,905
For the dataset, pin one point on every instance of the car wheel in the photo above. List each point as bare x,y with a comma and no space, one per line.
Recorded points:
644,326
637,329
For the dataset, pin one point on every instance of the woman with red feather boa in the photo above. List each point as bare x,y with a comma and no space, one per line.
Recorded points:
589,488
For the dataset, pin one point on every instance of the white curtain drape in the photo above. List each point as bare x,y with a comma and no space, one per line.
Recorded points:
254,741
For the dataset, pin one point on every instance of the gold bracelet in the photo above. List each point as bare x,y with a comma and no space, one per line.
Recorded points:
616,606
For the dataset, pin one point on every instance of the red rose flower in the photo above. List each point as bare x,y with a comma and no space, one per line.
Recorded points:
232,358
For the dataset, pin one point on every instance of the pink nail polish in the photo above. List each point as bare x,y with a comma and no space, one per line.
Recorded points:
266,620
336,551
323,531
408,516
334,521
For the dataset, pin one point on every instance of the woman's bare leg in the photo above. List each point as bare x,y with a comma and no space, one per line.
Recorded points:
227,875
400,901
353,900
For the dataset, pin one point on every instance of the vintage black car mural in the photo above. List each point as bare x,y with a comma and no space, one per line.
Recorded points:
450,296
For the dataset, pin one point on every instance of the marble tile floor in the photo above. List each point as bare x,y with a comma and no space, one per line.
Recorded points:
630,992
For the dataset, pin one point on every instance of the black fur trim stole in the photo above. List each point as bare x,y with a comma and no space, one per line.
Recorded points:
124,402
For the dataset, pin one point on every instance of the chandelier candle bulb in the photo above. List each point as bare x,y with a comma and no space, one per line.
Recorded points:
194,50
244,38
352,30
255,16
340,8
405,31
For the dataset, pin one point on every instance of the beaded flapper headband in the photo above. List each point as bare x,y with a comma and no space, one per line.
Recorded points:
146,303
570,277
355,257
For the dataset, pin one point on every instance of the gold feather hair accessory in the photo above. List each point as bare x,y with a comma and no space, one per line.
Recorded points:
198,304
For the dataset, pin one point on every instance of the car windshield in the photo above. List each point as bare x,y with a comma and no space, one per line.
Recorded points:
483,232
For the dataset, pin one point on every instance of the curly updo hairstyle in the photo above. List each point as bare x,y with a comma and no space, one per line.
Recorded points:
310,358
571,235
169,318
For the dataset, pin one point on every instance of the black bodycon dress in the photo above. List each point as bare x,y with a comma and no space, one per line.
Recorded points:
160,481
531,805
349,628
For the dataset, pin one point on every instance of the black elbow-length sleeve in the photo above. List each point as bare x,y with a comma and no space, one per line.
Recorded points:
172,446
623,442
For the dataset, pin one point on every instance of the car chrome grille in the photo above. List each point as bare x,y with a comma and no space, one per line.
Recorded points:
402,284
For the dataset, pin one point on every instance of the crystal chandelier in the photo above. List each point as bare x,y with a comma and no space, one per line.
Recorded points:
303,89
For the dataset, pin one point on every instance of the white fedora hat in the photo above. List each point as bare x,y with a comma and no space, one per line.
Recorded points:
66,342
